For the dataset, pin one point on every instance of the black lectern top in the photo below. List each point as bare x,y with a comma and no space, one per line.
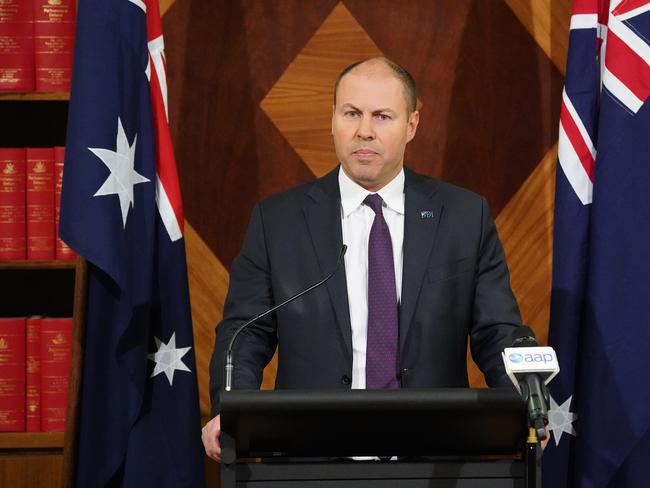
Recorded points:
339,423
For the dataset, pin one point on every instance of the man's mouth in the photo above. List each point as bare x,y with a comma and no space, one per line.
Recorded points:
364,152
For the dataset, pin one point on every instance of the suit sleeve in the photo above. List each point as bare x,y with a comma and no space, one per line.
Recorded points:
249,294
496,314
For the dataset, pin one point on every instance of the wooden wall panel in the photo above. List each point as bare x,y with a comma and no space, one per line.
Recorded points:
31,469
300,103
489,91
208,282
548,23
223,57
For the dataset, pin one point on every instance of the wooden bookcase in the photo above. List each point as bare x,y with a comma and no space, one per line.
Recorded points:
53,288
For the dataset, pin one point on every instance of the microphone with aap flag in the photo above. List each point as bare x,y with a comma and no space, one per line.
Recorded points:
530,368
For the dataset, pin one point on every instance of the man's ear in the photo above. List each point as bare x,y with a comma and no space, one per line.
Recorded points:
412,125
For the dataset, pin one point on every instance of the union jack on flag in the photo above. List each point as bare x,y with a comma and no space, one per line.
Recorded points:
600,320
138,418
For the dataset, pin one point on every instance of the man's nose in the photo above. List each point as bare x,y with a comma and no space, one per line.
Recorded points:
365,130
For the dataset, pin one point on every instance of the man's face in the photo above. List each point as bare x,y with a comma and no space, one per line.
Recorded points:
371,125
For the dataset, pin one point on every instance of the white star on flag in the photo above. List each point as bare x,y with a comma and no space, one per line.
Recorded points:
123,177
168,358
560,419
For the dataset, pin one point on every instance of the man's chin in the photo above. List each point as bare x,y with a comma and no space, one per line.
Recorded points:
367,179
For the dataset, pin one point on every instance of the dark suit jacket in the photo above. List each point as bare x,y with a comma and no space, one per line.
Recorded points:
455,284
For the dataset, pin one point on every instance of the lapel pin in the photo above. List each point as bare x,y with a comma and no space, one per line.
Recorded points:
426,214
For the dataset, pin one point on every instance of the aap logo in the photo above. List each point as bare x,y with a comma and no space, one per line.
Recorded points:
515,357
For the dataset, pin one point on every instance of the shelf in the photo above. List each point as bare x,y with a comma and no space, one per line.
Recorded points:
37,264
20,96
31,440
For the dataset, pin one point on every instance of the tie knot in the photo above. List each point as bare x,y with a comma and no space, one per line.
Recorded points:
375,202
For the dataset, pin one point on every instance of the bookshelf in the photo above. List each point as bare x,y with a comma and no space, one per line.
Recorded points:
31,440
38,96
54,288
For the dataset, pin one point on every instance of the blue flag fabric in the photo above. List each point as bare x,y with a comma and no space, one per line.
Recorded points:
600,320
138,421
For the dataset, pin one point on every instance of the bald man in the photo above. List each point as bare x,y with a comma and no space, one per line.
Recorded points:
424,269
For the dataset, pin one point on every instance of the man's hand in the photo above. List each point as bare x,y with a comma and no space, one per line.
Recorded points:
548,438
210,437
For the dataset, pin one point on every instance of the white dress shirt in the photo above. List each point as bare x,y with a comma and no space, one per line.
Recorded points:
356,221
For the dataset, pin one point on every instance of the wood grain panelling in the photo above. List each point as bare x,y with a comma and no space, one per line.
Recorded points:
548,23
30,470
223,57
208,281
490,93
526,228
241,71
300,103
164,5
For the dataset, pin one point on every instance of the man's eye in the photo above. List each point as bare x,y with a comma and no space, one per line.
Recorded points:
383,116
351,113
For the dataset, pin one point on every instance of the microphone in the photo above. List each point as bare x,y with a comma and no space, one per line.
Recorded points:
530,368
229,356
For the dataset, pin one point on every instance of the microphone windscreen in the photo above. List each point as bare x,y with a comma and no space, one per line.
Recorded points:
524,337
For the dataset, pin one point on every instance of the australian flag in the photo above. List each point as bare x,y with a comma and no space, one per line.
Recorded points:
600,318
138,422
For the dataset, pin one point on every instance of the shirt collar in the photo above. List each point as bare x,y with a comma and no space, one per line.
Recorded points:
353,195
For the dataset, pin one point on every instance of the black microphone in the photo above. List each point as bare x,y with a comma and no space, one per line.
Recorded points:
229,358
533,388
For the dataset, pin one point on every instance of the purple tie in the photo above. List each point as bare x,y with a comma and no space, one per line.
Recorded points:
381,352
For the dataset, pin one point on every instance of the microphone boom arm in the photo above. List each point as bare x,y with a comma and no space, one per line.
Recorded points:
229,354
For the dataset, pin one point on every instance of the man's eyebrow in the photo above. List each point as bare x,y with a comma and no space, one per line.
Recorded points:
377,111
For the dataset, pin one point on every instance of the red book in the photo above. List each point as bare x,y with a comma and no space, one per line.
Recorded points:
56,336
12,374
54,26
40,203
16,45
63,251
33,376
12,204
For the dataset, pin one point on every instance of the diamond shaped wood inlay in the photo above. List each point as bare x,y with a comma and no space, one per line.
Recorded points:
300,103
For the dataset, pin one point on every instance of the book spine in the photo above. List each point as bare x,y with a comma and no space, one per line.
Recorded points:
33,375
54,25
16,45
56,335
12,204
12,374
40,203
63,251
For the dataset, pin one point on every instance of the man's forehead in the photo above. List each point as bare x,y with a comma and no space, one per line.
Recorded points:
382,89
372,71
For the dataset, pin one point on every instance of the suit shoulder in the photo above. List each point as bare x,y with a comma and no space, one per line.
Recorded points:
458,193
290,196
294,198
448,192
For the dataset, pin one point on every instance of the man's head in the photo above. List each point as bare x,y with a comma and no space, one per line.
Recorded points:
374,118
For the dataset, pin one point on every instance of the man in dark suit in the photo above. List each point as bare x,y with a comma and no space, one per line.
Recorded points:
424,270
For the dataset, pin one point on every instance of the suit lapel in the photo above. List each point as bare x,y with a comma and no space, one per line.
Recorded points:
422,213
322,210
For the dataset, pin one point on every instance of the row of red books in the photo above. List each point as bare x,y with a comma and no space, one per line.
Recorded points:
36,44
34,367
30,197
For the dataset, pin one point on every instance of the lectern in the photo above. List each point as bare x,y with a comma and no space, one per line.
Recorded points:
419,438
